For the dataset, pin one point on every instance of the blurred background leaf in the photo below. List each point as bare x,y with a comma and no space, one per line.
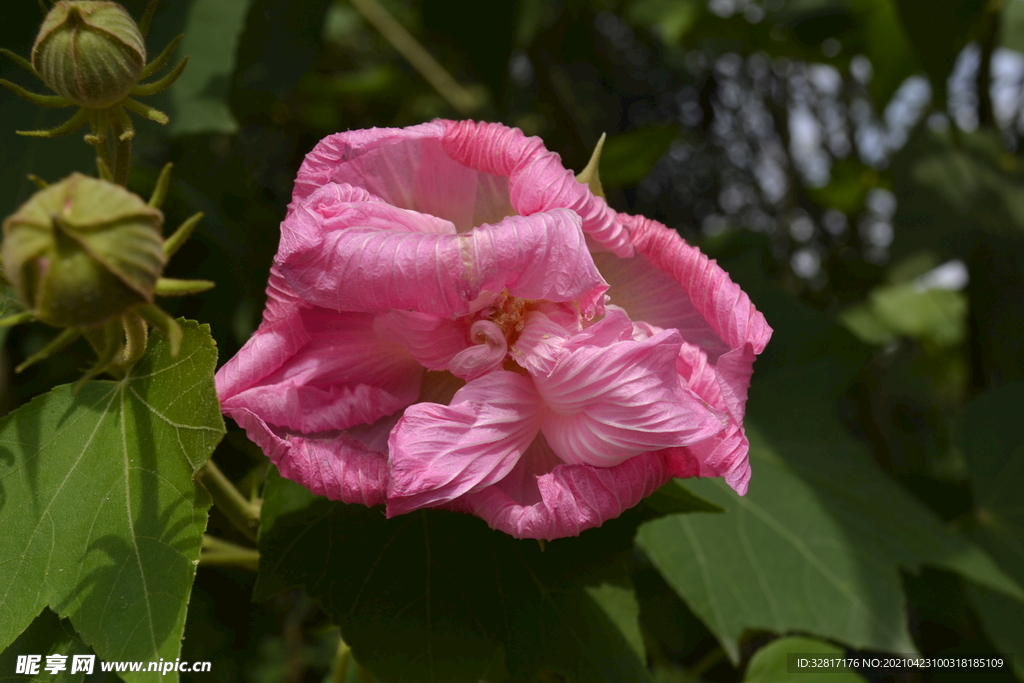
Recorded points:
200,96
770,663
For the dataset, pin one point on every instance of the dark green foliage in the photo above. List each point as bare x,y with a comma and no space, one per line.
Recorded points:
884,512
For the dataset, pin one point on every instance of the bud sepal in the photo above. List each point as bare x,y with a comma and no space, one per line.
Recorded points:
93,55
86,255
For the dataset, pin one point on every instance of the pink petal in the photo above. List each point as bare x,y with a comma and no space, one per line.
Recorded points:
335,465
321,164
725,454
282,301
409,169
540,344
262,354
319,370
487,355
715,314
572,498
614,327
438,453
433,341
357,268
608,404
537,180
465,172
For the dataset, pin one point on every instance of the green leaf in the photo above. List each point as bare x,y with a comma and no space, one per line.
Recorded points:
1003,621
628,157
1012,29
887,45
817,543
993,444
936,316
47,635
437,596
951,190
770,663
102,521
200,96
672,19
673,497
965,198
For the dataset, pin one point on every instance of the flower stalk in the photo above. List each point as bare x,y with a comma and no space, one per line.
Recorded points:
216,552
243,515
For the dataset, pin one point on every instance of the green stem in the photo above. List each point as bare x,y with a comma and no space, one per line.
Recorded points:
220,553
121,135
135,337
99,123
461,99
242,514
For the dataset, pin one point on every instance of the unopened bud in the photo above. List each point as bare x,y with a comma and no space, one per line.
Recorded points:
82,251
90,52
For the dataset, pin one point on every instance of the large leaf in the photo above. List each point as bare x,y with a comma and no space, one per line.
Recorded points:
47,635
817,543
200,96
102,521
993,443
437,596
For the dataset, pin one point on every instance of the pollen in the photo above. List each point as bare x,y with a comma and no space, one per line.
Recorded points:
509,314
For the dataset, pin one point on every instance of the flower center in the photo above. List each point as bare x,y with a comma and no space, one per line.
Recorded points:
509,314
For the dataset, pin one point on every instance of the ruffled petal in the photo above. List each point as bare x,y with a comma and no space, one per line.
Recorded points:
358,268
723,331
409,169
608,404
336,465
572,498
282,301
715,314
537,180
335,151
319,370
725,454
267,350
614,327
438,453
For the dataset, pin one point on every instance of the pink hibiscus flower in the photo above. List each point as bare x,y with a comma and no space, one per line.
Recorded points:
454,321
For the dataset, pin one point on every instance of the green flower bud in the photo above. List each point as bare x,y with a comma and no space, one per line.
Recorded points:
82,251
90,52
